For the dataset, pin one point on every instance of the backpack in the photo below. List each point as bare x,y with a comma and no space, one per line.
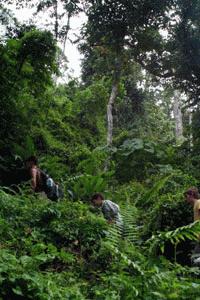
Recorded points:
52,190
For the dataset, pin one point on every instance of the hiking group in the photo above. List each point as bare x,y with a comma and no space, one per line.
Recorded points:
46,187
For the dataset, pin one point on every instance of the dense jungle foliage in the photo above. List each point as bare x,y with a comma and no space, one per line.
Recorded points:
128,128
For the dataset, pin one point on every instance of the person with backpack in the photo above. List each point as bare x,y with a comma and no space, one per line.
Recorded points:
41,182
110,210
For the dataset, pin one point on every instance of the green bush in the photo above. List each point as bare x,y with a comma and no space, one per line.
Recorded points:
40,245
85,185
167,208
64,250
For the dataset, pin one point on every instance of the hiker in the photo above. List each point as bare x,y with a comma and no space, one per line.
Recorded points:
41,182
110,210
34,172
193,198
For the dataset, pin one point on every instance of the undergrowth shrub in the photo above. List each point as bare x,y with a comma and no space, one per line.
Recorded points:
163,208
41,245
64,250
128,193
167,208
84,186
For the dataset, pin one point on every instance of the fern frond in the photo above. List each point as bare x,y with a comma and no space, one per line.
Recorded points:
126,230
115,233
191,232
155,189
130,227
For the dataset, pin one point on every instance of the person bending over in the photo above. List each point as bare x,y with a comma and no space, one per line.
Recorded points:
110,210
41,182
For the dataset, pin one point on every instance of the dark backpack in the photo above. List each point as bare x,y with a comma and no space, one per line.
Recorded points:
52,190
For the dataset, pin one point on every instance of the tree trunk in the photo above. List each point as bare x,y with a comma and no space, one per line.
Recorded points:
178,117
56,20
111,102
190,129
113,96
66,33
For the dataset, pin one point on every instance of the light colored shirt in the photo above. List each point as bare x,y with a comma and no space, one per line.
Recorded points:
111,211
196,210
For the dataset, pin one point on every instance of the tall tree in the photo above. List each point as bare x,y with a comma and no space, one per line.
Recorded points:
184,49
26,67
122,26
178,116
177,60
8,22
59,14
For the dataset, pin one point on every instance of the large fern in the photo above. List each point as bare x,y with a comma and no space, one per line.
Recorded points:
130,228
190,232
147,197
126,230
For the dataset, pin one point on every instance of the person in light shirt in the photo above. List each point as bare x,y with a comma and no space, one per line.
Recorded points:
193,198
110,210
